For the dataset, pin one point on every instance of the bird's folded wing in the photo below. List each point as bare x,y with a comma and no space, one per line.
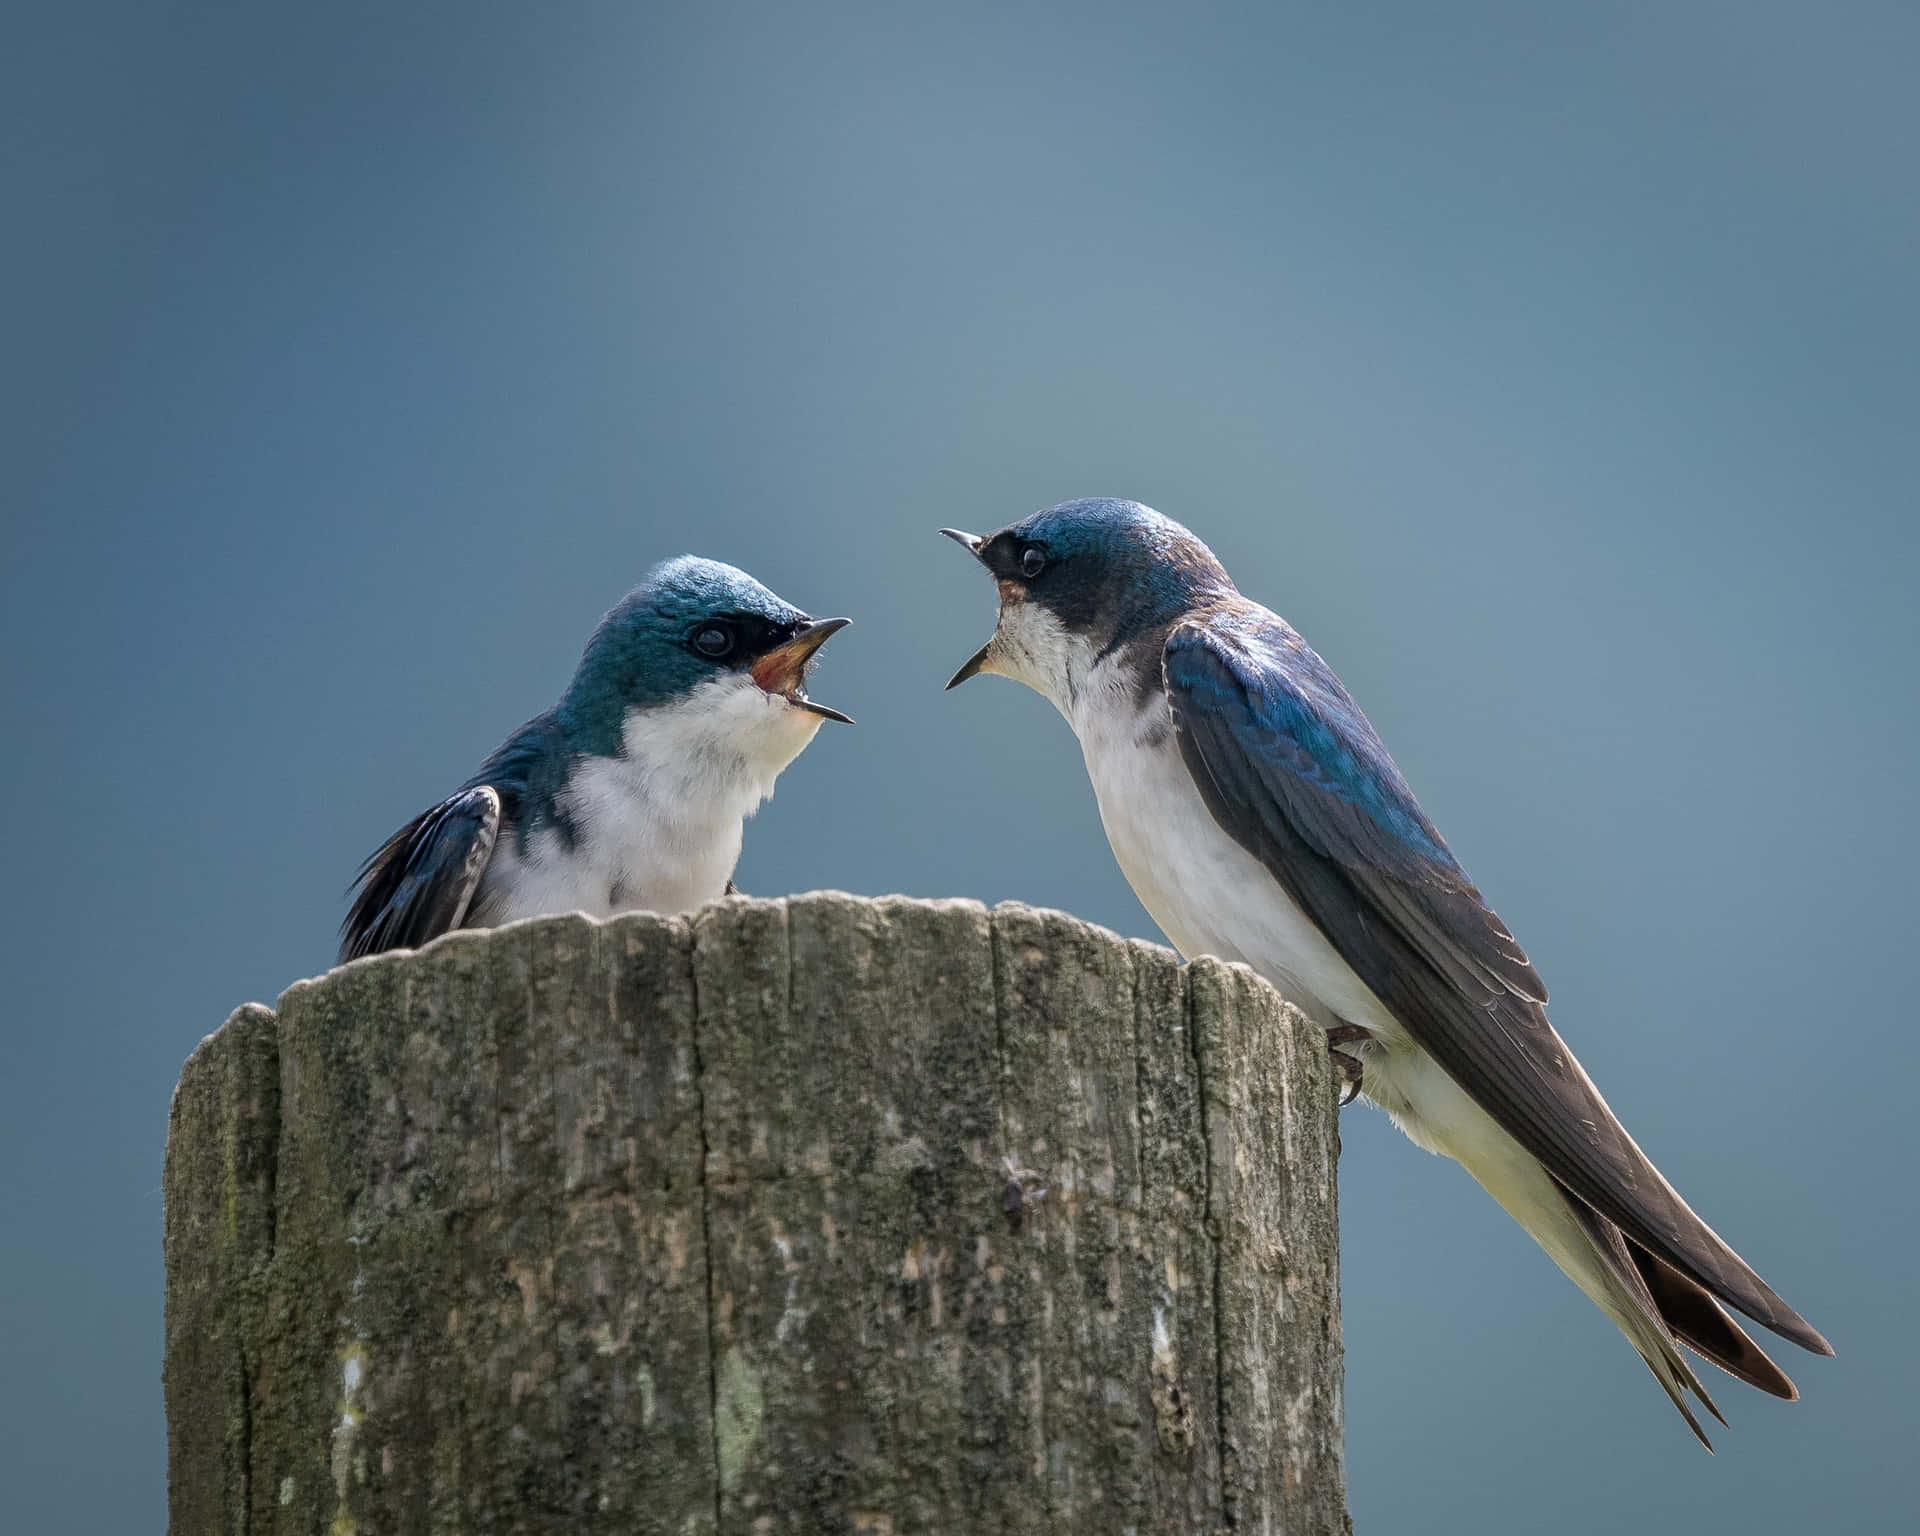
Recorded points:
419,883
1293,771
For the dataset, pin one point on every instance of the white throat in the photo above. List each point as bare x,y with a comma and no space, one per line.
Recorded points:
723,745
1032,646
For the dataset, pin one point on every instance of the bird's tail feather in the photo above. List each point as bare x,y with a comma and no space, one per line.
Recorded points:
1652,1303
1673,1310
1638,1315
1697,1319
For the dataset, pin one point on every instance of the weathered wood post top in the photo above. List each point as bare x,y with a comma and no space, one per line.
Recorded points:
816,1215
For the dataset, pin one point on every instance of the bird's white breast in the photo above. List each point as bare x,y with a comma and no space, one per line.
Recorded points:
658,827
1209,895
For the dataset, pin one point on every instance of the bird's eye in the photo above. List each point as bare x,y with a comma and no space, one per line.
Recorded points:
713,641
1032,562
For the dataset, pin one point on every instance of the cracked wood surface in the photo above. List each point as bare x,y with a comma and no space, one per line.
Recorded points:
729,1224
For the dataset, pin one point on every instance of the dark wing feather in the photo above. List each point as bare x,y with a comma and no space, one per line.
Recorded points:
1292,770
420,882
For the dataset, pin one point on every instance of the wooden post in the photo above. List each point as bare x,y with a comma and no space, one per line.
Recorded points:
734,1224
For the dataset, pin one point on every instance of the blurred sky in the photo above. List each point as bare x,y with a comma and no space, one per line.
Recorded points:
1553,368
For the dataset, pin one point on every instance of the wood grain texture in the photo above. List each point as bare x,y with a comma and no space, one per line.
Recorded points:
735,1223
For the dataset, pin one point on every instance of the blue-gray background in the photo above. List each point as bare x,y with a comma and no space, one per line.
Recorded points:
1554,368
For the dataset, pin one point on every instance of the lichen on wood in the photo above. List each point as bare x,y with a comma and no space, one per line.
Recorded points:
815,1215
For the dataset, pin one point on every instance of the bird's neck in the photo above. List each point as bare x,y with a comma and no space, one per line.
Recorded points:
1117,706
1110,690
706,760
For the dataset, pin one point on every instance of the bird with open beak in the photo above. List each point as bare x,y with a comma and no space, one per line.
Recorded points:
1259,818
631,792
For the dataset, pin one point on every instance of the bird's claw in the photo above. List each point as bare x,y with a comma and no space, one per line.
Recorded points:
1350,1066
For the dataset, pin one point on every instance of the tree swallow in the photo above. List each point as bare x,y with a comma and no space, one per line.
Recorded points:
630,792
1259,818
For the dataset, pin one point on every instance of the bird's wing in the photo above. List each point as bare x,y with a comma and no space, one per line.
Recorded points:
420,882
1292,770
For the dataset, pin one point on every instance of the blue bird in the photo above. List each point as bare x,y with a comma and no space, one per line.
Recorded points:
1259,818
630,792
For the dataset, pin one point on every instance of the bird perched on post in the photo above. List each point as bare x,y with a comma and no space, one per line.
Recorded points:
1259,818
630,792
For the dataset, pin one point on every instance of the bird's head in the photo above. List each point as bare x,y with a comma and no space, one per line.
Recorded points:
1080,581
707,645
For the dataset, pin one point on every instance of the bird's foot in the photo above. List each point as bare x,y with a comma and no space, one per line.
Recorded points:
1023,1188
1349,1065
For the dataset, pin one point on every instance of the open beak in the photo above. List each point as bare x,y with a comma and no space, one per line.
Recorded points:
783,670
970,542
971,666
